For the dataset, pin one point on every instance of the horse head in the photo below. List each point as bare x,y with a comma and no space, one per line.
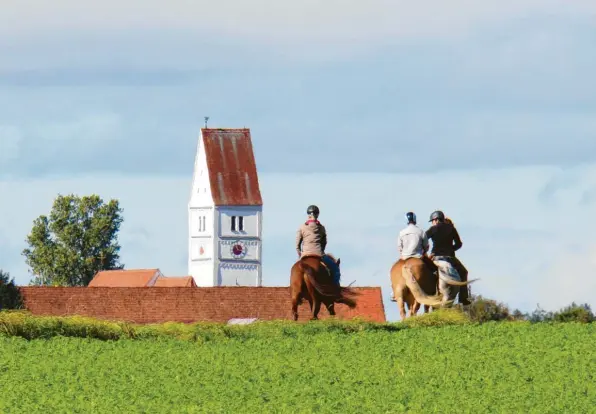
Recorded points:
332,257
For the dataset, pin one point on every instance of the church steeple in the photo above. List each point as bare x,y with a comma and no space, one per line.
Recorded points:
225,211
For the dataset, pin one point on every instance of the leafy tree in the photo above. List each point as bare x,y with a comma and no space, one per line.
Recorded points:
78,239
10,296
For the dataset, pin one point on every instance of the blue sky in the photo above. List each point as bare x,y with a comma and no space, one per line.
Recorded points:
483,109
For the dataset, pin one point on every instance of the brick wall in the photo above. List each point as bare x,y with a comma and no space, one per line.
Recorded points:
183,304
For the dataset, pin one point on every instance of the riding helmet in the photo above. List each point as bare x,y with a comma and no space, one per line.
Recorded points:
411,217
437,215
312,209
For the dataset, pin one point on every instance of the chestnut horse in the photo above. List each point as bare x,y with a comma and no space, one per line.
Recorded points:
311,280
414,283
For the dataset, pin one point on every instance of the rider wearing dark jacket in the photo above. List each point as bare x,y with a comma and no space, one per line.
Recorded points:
446,242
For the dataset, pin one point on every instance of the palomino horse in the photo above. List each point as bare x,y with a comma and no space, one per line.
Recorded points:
414,282
311,280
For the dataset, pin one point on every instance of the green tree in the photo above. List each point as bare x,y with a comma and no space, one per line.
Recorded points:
10,295
78,239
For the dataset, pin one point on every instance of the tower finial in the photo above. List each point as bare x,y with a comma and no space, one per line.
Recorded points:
206,119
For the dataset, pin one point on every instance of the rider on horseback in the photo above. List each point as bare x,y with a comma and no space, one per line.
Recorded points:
311,240
446,241
412,242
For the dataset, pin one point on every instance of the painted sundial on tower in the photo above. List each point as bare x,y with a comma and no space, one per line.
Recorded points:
238,249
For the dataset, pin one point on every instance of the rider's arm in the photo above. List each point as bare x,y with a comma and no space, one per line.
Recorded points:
429,233
425,245
323,238
299,241
457,241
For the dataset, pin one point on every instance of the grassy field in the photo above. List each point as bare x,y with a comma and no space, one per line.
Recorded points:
508,367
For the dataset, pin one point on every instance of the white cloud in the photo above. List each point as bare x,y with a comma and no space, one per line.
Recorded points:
514,243
205,34
274,21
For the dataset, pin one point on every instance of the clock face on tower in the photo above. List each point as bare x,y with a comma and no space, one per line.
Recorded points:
238,249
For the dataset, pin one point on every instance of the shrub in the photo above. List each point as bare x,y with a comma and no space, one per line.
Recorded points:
574,313
539,315
518,315
483,310
10,295
25,325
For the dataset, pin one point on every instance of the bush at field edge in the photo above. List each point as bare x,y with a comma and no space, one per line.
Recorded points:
23,324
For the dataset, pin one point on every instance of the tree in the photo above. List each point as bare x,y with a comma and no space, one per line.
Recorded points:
10,295
77,240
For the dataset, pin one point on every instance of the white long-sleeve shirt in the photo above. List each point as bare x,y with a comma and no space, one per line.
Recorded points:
413,242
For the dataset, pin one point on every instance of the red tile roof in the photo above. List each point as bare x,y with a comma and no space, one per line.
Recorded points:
125,278
217,304
232,168
183,281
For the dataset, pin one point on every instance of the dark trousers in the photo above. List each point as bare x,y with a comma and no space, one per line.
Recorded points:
464,293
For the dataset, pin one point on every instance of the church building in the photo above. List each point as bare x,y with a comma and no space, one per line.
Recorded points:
225,211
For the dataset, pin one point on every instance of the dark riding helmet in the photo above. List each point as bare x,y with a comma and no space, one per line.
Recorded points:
411,217
437,215
313,210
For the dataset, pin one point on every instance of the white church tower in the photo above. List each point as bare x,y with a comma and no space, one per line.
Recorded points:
225,211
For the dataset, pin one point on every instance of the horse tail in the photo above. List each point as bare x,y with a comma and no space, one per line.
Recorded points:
455,282
417,291
444,269
340,295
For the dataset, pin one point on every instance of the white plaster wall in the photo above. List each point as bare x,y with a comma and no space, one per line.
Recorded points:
231,274
202,273
201,188
201,266
247,270
252,221
201,222
196,254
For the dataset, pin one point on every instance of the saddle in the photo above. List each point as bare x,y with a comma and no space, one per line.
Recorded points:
447,259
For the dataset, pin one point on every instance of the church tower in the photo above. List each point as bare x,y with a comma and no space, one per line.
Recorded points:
225,211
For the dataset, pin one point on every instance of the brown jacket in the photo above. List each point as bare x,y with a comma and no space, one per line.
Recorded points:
313,238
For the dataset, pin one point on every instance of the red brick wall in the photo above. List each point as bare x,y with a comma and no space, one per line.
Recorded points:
183,304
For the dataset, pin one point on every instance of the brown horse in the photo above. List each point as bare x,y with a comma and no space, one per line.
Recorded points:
414,283
311,280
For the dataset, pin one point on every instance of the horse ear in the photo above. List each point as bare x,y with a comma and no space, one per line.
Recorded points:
338,260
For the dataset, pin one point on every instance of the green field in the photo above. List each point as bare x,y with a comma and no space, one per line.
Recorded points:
508,367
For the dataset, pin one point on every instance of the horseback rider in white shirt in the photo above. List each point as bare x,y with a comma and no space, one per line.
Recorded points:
412,242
